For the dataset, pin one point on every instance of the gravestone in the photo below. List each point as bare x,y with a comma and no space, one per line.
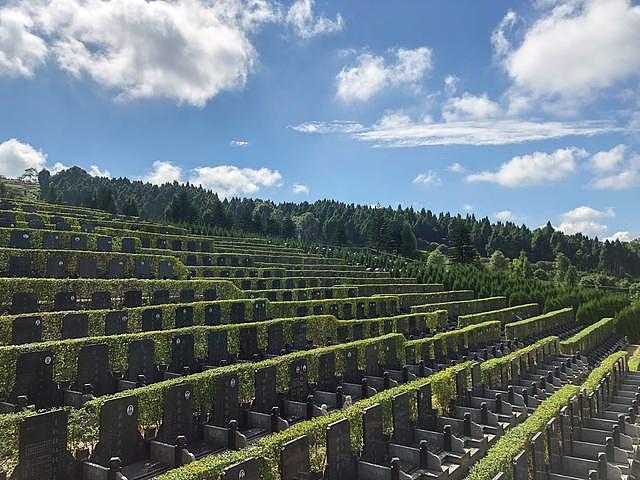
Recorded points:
75,325
128,245
64,301
302,311
375,448
217,347
141,360
248,343
132,298
333,309
93,368
104,244
56,267
206,260
341,463
275,339
374,330
327,372
60,224
298,381
116,268
50,241
20,239
177,416
302,295
294,459
220,261
7,219
300,335
35,221
210,294
391,355
245,284
317,294
346,311
184,317
24,302
371,359
161,243
87,228
226,400
151,319
266,395
402,426
358,331
289,283
141,268
342,333
34,379
161,297
247,470
187,295
328,293
182,353
259,311
212,314
78,242
233,261
6,205
101,300
205,246
26,330
165,269
351,372
116,322
287,296
360,312
318,309
191,246
119,435
237,312
42,448
146,242
302,283
87,267
425,405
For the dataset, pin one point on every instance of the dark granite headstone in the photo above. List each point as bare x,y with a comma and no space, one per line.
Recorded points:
226,400
104,244
7,219
302,295
146,242
141,361
391,357
237,312
317,294
302,311
246,470
425,405
165,269
351,372
182,353
235,262
342,333
346,311
217,347
42,448
19,266
289,283
160,297
26,330
116,322
119,435
87,228
177,416
187,295
318,309
341,463
56,267
184,317
248,343
205,246
34,379
210,294
50,241
275,339
151,319
373,310
266,396
294,459
375,447
358,331
20,239
372,359
35,221
212,314
128,245
402,426
6,205
300,335
24,302
93,368
75,325
101,300
116,268
142,269
161,243
64,301
327,372
192,260
298,381
87,267
360,312
287,296
176,245
191,246
206,260
78,242
220,261
259,311
132,298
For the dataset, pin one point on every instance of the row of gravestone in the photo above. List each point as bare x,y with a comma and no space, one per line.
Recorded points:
27,302
77,241
301,295
29,328
34,380
86,267
380,308
290,283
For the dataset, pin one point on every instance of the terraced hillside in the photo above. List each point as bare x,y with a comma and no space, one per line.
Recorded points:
136,350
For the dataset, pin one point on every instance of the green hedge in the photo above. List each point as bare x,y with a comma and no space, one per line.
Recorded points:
305,281
589,337
293,309
243,258
46,289
540,325
394,288
628,322
408,300
464,307
503,315
301,294
396,324
39,257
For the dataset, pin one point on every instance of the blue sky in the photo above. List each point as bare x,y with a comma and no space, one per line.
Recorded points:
526,111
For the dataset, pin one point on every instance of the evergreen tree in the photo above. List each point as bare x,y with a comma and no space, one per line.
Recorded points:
130,207
460,248
408,244
181,208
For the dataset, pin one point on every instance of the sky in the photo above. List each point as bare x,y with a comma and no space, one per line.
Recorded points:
520,111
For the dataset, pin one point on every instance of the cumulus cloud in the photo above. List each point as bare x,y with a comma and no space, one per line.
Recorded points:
457,168
336,126
429,178
622,236
21,52
299,188
16,157
229,180
504,215
586,220
469,107
301,18
371,73
451,84
621,174
608,160
95,171
574,49
238,143
467,207
163,172
533,169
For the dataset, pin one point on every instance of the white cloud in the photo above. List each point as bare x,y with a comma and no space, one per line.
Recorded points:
457,168
305,25
299,188
469,107
504,215
627,177
499,36
95,171
229,180
163,172
586,220
185,50
467,207
371,74
608,160
622,236
336,126
16,157
533,169
21,52
238,143
430,178
451,84
58,167
576,48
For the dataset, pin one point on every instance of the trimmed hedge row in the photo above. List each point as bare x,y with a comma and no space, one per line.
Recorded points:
395,288
282,271
38,259
499,458
342,308
408,300
46,288
587,338
52,207
503,315
304,282
242,258
464,307
335,266
302,294
407,324
445,344
540,325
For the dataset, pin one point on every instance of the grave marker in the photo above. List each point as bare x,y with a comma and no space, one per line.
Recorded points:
64,301
300,335
341,463
226,401
294,459
116,322
141,360
93,368
100,300
177,418
327,372
182,353
142,269
402,426
79,242
298,381
50,241
246,470
132,298
248,343
217,347
20,239
237,312
56,267
151,319
75,325
24,302
104,244
128,245
184,317
26,330
165,269
19,266
266,396
351,372
87,267
375,448
212,314
275,339
116,268
160,297
34,379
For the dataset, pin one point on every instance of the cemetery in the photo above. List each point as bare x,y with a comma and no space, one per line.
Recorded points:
132,350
